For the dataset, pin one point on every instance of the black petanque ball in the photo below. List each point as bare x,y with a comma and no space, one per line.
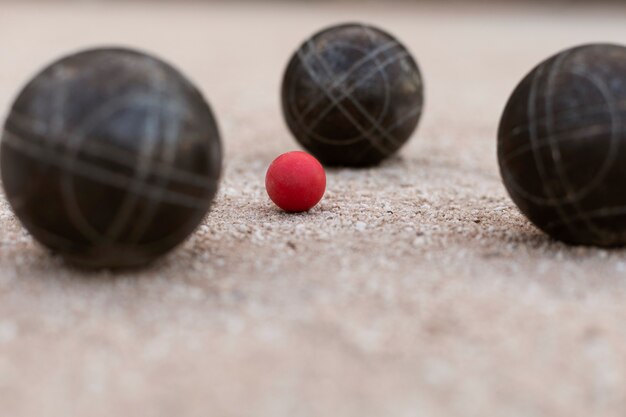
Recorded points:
352,95
110,157
562,145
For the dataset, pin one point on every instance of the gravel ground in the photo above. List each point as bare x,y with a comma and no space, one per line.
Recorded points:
414,289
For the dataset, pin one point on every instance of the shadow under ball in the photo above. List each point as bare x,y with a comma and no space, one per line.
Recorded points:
352,95
110,157
562,145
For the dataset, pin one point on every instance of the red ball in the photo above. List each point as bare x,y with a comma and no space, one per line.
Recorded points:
295,181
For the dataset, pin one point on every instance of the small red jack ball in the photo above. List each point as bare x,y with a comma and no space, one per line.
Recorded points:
295,181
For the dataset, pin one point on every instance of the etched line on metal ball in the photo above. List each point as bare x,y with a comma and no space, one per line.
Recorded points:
382,69
135,184
539,165
564,136
124,184
347,94
101,175
148,143
334,104
574,112
374,121
595,214
352,94
564,170
337,104
119,156
572,196
168,154
552,139
371,57
346,75
143,170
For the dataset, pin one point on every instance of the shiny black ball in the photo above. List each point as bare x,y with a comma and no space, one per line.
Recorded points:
562,145
110,157
352,95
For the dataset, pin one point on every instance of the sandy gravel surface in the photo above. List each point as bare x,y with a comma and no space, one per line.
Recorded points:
414,289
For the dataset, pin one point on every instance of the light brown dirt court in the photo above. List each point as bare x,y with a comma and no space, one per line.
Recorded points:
414,289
